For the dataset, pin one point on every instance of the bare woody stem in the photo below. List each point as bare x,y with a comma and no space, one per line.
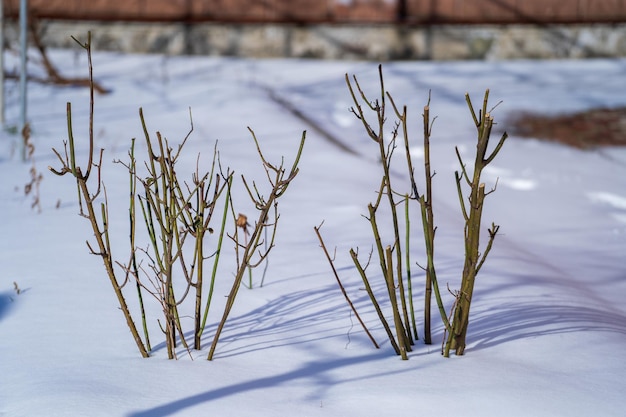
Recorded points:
472,214
229,182
386,191
370,293
279,184
85,196
343,290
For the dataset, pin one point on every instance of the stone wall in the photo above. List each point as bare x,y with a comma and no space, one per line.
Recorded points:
325,41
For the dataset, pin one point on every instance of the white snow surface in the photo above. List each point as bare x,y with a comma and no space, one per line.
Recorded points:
548,322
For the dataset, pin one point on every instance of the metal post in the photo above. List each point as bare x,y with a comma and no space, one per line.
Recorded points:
1,64
23,52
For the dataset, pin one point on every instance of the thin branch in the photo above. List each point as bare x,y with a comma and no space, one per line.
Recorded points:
343,290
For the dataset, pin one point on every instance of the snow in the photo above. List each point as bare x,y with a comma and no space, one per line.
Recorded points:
548,322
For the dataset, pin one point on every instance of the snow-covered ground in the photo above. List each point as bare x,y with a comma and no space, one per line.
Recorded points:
548,323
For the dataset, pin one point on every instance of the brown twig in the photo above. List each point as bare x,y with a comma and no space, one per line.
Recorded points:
279,179
343,290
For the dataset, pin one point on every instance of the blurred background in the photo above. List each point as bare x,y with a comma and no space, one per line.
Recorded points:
335,29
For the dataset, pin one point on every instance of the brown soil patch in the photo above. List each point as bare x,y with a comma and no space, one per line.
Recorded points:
584,130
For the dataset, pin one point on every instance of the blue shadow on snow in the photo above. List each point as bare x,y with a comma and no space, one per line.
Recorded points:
316,370
6,303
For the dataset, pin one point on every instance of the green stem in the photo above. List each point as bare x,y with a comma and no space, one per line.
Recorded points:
400,331
217,254
132,219
408,266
